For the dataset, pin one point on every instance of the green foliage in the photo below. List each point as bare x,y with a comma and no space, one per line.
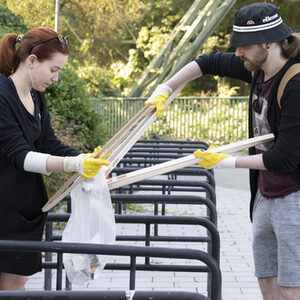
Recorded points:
151,40
9,22
69,99
159,21
99,81
113,41
9,19
36,13
148,44
214,119
110,39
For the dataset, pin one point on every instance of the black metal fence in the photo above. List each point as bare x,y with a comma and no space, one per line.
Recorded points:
189,186
100,295
117,250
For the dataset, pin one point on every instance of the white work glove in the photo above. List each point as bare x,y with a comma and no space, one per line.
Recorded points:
159,97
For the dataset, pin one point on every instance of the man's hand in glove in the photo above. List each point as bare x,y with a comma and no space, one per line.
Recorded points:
158,98
215,160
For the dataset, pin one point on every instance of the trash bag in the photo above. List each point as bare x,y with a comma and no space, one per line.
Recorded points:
92,221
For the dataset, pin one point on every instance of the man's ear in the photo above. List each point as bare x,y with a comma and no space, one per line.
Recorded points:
268,45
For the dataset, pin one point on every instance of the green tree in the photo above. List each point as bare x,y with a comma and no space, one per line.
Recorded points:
112,41
102,31
35,13
9,22
69,99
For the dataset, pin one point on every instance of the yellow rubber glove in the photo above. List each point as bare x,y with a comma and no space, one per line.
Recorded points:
159,103
91,166
84,164
210,159
98,148
158,98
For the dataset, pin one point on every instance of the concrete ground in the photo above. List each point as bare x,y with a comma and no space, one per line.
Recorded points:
239,282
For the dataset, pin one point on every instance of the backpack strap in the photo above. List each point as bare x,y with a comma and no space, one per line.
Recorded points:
291,72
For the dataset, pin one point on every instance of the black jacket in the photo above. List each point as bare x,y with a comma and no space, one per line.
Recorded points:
22,194
284,122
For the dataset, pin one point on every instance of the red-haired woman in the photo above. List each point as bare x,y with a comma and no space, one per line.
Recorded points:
28,146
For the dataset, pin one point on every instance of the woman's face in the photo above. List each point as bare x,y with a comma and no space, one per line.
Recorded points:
44,73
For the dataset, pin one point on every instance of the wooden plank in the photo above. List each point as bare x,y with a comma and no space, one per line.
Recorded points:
138,132
138,125
118,138
182,162
103,152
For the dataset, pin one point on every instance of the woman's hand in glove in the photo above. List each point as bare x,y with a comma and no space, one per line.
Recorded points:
84,164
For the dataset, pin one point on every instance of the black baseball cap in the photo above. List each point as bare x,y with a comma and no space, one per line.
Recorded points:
258,23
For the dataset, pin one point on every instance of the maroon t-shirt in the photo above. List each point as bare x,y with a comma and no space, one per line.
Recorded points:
271,185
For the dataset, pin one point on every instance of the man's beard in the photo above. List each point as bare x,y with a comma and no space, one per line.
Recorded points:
256,64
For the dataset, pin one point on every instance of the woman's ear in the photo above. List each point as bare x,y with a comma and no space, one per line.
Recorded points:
31,59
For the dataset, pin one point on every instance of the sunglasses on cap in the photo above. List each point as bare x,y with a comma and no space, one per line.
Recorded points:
257,104
63,41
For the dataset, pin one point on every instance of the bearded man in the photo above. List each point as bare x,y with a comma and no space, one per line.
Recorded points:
265,49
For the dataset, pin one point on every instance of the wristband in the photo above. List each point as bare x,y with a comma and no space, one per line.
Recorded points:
73,164
36,162
228,162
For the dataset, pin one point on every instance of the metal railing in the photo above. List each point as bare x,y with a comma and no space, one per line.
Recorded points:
100,295
132,252
212,238
212,119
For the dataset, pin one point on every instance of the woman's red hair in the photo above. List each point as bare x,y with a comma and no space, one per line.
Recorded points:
11,56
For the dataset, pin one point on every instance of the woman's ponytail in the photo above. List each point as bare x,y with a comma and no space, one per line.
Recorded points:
8,54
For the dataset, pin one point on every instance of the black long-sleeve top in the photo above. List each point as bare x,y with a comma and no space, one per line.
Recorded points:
22,194
284,157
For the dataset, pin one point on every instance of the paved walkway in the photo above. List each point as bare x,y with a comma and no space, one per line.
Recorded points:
235,230
239,282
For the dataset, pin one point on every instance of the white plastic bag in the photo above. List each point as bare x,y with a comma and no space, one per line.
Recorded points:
92,221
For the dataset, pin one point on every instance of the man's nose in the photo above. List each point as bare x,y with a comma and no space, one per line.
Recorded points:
238,52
